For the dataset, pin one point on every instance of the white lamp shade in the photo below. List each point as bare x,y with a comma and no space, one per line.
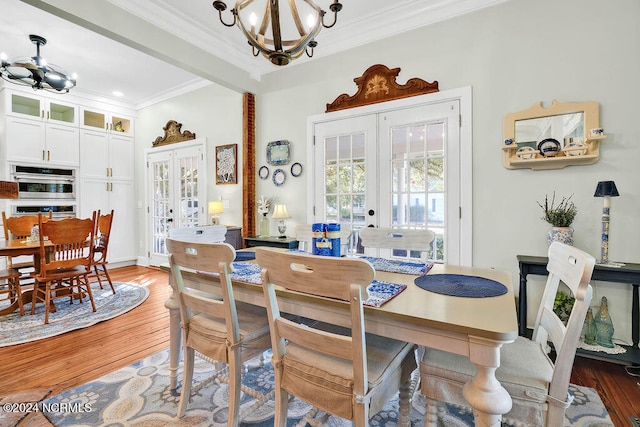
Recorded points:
280,212
215,207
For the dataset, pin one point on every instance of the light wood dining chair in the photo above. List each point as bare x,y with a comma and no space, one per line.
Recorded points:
339,369
393,238
65,262
216,326
10,290
537,384
101,239
19,227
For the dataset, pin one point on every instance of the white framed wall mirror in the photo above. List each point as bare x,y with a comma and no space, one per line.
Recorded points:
566,133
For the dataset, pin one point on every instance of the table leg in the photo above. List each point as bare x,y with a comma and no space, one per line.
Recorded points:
522,302
635,315
175,333
484,392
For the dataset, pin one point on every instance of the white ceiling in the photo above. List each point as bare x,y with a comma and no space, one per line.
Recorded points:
104,65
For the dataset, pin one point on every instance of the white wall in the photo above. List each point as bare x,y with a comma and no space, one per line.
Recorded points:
214,113
513,55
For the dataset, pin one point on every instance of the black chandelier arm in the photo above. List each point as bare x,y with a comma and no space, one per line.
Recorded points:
311,45
335,7
221,6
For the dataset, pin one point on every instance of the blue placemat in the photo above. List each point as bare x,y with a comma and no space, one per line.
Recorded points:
245,256
460,285
396,266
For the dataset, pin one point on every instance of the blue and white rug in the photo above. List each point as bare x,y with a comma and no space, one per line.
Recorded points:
139,395
16,329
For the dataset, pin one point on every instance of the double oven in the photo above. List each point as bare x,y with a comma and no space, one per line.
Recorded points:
44,189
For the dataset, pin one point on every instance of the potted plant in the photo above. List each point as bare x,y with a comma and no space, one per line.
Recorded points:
560,216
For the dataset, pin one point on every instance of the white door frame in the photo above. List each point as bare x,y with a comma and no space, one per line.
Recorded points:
464,96
202,172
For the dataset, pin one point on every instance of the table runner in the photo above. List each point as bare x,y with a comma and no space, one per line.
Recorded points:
460,285
379,291
397,266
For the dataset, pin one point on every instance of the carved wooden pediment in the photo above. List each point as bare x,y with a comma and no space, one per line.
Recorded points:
378,84
172,134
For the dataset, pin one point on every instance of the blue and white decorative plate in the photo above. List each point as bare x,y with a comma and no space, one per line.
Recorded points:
263,172
279,177
296,169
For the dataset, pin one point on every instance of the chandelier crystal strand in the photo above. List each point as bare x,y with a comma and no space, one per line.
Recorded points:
35,71
271,43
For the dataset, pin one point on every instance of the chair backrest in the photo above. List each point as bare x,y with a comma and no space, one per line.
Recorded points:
101,234
338,278
68,244
207,258
392,238
19,227
205,234
573,267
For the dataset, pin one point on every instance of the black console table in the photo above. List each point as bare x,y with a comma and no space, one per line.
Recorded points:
274,242
627,274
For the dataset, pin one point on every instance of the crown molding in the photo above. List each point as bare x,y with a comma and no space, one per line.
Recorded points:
396,18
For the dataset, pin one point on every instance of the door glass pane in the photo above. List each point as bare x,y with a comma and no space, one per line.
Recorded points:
160,206
345,183
417,163
188,192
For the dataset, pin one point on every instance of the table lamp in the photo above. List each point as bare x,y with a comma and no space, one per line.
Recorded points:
215,208
605,189
280,212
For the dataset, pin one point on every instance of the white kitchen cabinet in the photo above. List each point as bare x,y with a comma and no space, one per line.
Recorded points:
98,194
106,182
35,142
40,108
106,121
106,156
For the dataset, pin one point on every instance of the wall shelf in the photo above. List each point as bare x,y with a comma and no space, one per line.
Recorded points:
537,122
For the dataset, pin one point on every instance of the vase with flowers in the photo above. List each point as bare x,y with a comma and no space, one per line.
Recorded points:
560,217
264,207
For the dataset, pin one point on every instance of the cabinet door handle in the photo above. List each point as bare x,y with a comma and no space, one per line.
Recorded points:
48,155
47,115
107,173
43,155
106,126
42,114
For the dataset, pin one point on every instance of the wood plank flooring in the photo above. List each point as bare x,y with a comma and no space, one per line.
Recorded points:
59,363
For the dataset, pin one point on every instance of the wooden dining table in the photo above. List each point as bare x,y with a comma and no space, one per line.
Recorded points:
19,247
473,327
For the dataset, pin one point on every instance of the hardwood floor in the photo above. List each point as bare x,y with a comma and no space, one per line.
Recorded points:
59,363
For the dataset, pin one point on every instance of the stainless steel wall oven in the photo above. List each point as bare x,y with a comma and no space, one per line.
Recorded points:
43,183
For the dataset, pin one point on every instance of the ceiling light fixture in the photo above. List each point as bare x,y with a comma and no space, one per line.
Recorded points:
35,71
279,50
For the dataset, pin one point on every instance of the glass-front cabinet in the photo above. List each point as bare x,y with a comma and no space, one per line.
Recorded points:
41,109
95,119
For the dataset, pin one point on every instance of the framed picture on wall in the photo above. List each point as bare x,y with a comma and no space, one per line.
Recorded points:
227,164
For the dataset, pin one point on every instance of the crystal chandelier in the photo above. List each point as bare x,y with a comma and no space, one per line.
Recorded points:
271,38
35,71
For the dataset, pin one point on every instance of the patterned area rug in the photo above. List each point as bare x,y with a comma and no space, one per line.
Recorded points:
16,329
139,395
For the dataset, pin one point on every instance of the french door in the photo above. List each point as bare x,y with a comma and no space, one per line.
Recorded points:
177,194
398,168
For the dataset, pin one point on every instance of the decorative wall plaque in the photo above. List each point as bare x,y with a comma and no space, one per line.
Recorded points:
172,134
378,84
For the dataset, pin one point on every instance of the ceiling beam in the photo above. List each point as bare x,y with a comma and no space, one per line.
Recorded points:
106,19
